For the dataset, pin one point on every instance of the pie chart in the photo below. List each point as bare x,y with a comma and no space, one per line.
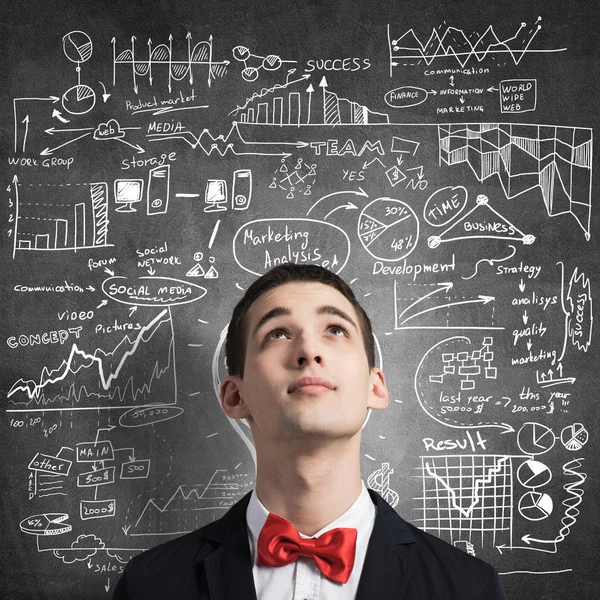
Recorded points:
46,524
574,437
535,506
388,229
533,474
534,438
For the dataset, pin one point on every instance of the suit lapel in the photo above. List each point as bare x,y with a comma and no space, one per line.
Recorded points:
229,567
390,555
386,570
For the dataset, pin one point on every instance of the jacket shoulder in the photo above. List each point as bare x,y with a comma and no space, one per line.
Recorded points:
459,570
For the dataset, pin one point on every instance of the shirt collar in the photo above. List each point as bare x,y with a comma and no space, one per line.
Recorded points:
357,516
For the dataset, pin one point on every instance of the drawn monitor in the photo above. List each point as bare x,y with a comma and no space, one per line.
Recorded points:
127,193
158,190
215,195
242,189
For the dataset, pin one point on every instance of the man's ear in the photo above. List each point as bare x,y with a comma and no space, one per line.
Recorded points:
378,394
232,402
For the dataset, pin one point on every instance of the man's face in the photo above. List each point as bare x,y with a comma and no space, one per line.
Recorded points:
307,342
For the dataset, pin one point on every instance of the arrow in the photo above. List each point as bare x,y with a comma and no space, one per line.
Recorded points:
492,89
107,270
400,160
151,271
26,121
361,193
107,586
103,303
420,169
135,86
105,96
525,318
348,206
137,147
132,310
90,288
310,89
109,428
368,163
125,529
53,130
323,84
529,344
58,115
445,287
559,368
188,37
522,285
48,151
433,92
452,80
53,99
480,299
89,564
461,100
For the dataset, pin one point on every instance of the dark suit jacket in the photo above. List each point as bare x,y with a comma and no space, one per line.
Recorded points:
214,563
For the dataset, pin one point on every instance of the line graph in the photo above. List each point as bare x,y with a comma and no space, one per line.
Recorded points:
557,160
467,497
452,42
138,371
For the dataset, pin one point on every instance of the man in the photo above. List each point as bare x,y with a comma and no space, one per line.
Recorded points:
300,357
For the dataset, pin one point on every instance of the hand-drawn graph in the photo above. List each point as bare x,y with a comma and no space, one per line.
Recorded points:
60,217
451,42
468,497
299,108
162,55
138,371
81,98
558,160
191,507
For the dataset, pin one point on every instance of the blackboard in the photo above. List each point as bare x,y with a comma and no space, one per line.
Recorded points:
158,157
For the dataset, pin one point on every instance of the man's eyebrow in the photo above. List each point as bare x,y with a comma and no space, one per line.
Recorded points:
278,311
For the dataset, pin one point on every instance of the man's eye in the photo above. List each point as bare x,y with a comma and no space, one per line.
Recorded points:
272,333
339,328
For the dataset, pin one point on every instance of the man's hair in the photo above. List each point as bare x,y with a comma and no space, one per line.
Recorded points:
237,332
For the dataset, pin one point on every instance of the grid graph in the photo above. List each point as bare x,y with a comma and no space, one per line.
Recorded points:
467,498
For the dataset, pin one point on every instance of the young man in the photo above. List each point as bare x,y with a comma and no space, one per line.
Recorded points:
300,357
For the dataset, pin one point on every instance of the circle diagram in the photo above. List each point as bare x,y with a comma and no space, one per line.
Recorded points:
77,46
535,506
534,438
533,474
79,99
388,229
574,437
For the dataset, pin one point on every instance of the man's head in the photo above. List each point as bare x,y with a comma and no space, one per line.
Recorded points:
237,333
297,322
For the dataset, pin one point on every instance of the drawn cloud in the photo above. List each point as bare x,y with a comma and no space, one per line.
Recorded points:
82,548
111,130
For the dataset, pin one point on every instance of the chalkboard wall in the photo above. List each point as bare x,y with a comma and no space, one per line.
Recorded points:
160,156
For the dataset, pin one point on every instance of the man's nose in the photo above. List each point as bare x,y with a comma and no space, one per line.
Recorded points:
309,350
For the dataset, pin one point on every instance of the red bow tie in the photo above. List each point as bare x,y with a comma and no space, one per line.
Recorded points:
279,543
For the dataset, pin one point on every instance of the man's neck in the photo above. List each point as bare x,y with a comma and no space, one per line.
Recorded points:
312,488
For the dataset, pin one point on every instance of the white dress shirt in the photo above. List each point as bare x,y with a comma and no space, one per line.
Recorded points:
302,579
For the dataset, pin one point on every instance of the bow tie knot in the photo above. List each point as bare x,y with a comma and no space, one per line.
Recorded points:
279,543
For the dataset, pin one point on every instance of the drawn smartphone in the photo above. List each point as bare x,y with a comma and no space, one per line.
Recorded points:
242,189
